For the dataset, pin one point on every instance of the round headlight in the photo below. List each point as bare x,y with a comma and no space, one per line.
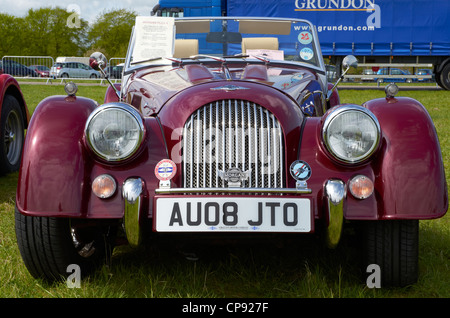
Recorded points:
351,133
114,131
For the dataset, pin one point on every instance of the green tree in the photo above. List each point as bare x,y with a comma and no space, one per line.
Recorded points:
11,35
49,32
111,31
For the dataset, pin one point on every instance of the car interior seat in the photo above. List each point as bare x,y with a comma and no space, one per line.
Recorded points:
185,48
259,44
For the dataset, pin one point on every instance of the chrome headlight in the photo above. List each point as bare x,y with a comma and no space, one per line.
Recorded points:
351,133
114,131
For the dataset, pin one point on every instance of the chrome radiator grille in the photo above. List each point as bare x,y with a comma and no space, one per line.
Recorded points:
230,134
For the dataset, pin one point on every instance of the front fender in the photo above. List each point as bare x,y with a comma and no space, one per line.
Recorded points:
411,177
9,85
57,169
53,171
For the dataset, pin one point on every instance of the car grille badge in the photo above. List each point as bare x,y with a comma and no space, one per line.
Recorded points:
234,176
228,88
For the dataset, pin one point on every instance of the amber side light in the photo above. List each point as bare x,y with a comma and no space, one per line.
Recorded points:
104,186
361,187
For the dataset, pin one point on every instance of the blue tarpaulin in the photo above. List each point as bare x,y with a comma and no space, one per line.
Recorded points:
364,27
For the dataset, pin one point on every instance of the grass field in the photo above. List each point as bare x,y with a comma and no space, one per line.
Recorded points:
302,269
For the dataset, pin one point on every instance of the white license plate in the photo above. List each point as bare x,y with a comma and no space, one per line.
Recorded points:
233,215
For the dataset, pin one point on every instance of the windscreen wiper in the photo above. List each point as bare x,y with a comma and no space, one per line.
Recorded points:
145,61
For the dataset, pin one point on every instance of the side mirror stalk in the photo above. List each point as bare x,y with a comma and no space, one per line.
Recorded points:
348,62
98,62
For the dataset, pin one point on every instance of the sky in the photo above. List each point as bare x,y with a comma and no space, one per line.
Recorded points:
88,9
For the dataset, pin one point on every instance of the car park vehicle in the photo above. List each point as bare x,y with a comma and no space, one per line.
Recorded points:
16,69
14,119
368,75
41,70
331,73
231,129
114,71
427,72
73,70
393,71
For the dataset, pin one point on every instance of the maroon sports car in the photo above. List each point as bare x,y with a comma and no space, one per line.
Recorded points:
226,126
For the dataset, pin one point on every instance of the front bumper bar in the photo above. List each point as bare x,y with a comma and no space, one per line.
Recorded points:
133,189
335,194
132,193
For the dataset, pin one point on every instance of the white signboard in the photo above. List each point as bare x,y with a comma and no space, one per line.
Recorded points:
154,38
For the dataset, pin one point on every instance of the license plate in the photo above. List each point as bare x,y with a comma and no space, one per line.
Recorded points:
233,215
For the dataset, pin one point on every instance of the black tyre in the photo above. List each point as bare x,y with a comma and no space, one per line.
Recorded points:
437,78
12,135
394,246
444,77
93,76
49,245
64,75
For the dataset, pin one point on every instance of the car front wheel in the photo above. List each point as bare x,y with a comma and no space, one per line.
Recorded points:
12,135
393,245
49,245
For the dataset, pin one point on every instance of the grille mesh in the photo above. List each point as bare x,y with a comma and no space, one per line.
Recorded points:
232,134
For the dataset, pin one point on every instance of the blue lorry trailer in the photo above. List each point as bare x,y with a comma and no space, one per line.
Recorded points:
378,32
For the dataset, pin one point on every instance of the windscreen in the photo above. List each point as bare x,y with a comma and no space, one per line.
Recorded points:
158,38
276,39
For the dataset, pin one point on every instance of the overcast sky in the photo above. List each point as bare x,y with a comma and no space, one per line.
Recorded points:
88,9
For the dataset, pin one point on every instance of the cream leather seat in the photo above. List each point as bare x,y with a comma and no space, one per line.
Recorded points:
259,44
185,48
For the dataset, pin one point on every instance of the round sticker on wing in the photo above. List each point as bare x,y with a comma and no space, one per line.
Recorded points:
306,54
165,170
305,38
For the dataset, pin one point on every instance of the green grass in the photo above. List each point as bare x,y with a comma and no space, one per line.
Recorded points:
300,269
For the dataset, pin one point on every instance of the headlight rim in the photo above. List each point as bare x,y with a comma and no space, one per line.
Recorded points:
333,114
123,107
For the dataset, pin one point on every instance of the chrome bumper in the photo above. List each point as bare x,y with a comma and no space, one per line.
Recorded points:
132,193
232,190
133,189
335,194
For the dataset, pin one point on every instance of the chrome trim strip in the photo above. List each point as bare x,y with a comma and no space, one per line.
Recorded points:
335,194
233,190
132,193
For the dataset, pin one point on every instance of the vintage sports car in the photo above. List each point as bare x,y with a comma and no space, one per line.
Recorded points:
226,126
14,119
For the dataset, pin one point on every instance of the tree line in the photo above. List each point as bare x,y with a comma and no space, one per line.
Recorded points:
53,31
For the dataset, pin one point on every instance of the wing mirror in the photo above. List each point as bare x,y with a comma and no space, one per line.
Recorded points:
98,62
348,62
